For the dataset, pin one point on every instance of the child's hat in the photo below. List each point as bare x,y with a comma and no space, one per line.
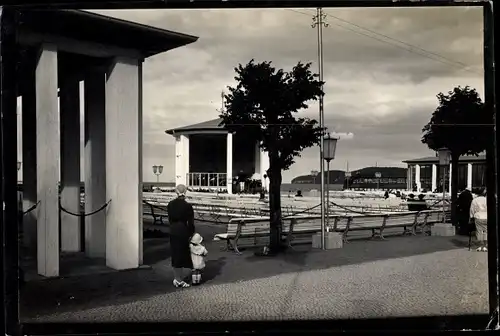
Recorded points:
196,239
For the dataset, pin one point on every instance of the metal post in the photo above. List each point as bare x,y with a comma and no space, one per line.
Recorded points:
444,193
327,194
318,23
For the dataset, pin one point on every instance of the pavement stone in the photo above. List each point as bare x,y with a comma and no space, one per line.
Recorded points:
402,276
430,284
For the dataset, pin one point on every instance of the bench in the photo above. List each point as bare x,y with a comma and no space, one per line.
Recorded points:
157,212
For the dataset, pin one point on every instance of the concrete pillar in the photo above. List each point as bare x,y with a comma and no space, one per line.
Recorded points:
47,168
408,178
69,105
417,177
257,160
29,168
449,179
434,177
95,163
186,158
469,176
264,166
123,180
229,163
181,159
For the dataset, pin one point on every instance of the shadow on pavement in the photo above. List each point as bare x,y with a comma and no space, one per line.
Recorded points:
75,293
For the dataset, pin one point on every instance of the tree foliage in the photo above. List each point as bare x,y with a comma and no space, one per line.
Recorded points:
460,123
463,125
262,107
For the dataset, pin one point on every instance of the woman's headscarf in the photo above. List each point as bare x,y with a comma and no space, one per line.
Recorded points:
181,190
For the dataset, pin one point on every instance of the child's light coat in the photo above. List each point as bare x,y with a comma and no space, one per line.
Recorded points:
198,252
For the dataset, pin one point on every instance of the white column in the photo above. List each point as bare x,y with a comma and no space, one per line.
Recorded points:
69,106
257,159
123,182
264,166
434,177
229,163
469,176
449,179
186,158
140,166
95,163
181,159
408,178
417,177
47,169
29,166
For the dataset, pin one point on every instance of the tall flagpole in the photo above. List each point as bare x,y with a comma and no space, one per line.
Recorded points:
318,23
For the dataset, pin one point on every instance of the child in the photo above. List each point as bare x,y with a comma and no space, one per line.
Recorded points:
198,252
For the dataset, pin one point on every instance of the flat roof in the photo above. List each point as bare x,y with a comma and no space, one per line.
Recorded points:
209,125
101,29
435,159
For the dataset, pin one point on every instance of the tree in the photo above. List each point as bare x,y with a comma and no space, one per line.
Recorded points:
461,124
261,108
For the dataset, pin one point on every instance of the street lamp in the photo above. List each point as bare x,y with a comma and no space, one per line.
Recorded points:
157,170
378,175
444,155
329,147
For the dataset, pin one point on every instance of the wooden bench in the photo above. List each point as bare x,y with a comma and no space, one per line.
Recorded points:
157,211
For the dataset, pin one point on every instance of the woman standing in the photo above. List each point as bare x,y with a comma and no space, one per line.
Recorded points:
181,219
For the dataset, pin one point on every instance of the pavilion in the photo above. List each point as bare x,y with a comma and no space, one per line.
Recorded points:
59,49
208,155
424,173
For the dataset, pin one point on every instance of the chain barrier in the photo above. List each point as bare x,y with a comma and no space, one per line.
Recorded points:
104,206
33,207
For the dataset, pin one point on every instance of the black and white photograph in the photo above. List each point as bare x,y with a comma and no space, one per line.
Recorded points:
256,164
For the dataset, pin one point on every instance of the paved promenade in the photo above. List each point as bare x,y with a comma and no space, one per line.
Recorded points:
403,276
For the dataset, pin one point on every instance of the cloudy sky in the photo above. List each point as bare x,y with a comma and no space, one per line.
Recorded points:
380,84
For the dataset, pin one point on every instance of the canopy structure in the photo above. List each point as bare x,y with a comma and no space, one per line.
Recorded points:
59,49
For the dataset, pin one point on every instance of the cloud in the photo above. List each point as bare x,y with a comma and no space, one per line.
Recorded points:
342,135
380,85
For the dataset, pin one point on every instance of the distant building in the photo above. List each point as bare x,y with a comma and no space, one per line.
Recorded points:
424,173
207,156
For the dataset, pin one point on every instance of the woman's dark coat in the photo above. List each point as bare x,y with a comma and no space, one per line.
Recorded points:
464,201
181,219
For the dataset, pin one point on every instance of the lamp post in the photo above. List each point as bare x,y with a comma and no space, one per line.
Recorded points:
329,147
378,175
157,170
319,23
444,155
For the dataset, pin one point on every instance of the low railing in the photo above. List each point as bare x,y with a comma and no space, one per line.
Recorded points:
208,180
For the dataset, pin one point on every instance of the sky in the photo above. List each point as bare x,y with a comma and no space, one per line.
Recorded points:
383,69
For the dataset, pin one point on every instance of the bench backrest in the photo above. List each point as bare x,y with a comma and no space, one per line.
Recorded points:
367,221
401,219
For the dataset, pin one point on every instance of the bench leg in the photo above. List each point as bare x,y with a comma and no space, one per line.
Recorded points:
231,246
407,231
378,235
344,237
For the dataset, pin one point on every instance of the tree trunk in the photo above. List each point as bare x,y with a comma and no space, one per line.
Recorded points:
454,188
275,217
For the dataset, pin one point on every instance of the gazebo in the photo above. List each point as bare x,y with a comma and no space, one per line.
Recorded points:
424,173
59,49
208,156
